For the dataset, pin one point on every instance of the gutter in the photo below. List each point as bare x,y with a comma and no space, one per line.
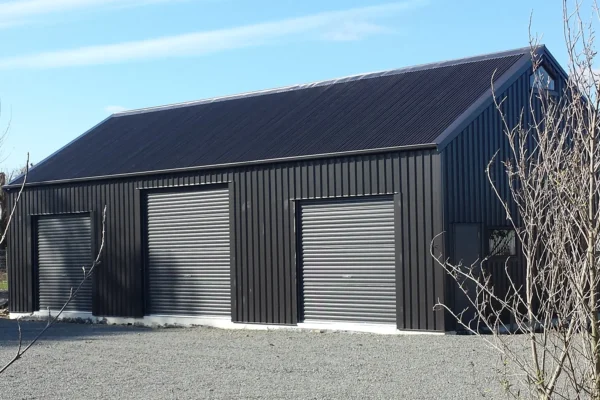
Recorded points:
426,146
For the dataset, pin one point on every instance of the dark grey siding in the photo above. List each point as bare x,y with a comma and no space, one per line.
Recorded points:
469,197
263,232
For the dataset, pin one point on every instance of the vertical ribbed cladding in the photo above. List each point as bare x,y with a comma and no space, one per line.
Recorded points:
419,207
415,180
468,194
264,200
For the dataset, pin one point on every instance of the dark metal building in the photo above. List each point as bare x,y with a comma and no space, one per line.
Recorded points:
314,203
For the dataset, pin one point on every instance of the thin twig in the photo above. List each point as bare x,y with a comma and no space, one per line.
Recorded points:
14,207
72,295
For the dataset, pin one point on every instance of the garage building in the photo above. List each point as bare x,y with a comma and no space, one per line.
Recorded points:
309,205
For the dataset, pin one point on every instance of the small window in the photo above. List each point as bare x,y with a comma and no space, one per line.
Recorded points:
502,242
541,79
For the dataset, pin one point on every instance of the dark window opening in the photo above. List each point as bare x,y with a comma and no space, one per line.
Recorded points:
541,79
502,242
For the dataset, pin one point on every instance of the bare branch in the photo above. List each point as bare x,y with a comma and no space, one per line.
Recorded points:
14,207
72,295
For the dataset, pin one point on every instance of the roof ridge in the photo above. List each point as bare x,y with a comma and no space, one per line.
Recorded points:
327,82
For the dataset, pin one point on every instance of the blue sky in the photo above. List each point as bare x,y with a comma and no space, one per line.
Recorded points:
65,65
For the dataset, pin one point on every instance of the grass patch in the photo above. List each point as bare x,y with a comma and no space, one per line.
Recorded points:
3,281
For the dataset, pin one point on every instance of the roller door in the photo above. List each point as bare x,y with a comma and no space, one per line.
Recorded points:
348,261
64,246
188,253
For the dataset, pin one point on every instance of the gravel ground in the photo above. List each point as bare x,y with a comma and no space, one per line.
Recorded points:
77,361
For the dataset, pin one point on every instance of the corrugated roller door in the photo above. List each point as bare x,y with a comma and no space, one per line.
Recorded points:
348,261
64,246
188,253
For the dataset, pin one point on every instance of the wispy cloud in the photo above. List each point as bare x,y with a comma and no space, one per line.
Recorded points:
350,24
18,12
355,30
115,109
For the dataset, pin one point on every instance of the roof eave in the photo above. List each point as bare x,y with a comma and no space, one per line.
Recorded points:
11,184
424,146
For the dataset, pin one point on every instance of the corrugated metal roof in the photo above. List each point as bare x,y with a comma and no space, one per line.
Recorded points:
404,107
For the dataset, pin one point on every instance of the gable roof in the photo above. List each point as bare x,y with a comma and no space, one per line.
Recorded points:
395,109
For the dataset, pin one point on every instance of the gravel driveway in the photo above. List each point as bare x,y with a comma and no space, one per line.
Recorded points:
77,361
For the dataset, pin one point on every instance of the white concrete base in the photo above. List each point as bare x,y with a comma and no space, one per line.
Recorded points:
43,315
222,323
382,329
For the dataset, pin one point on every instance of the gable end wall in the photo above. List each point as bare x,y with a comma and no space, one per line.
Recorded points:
468,194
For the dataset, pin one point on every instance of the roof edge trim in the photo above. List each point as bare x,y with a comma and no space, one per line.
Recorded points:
231,165
544,52
350,78
57,151
463,120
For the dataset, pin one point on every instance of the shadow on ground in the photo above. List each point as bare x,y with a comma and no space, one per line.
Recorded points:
9,333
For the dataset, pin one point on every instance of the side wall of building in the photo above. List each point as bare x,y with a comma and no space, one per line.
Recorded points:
263,207
469,196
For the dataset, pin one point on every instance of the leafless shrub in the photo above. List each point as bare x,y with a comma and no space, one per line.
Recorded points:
553,172
6,216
